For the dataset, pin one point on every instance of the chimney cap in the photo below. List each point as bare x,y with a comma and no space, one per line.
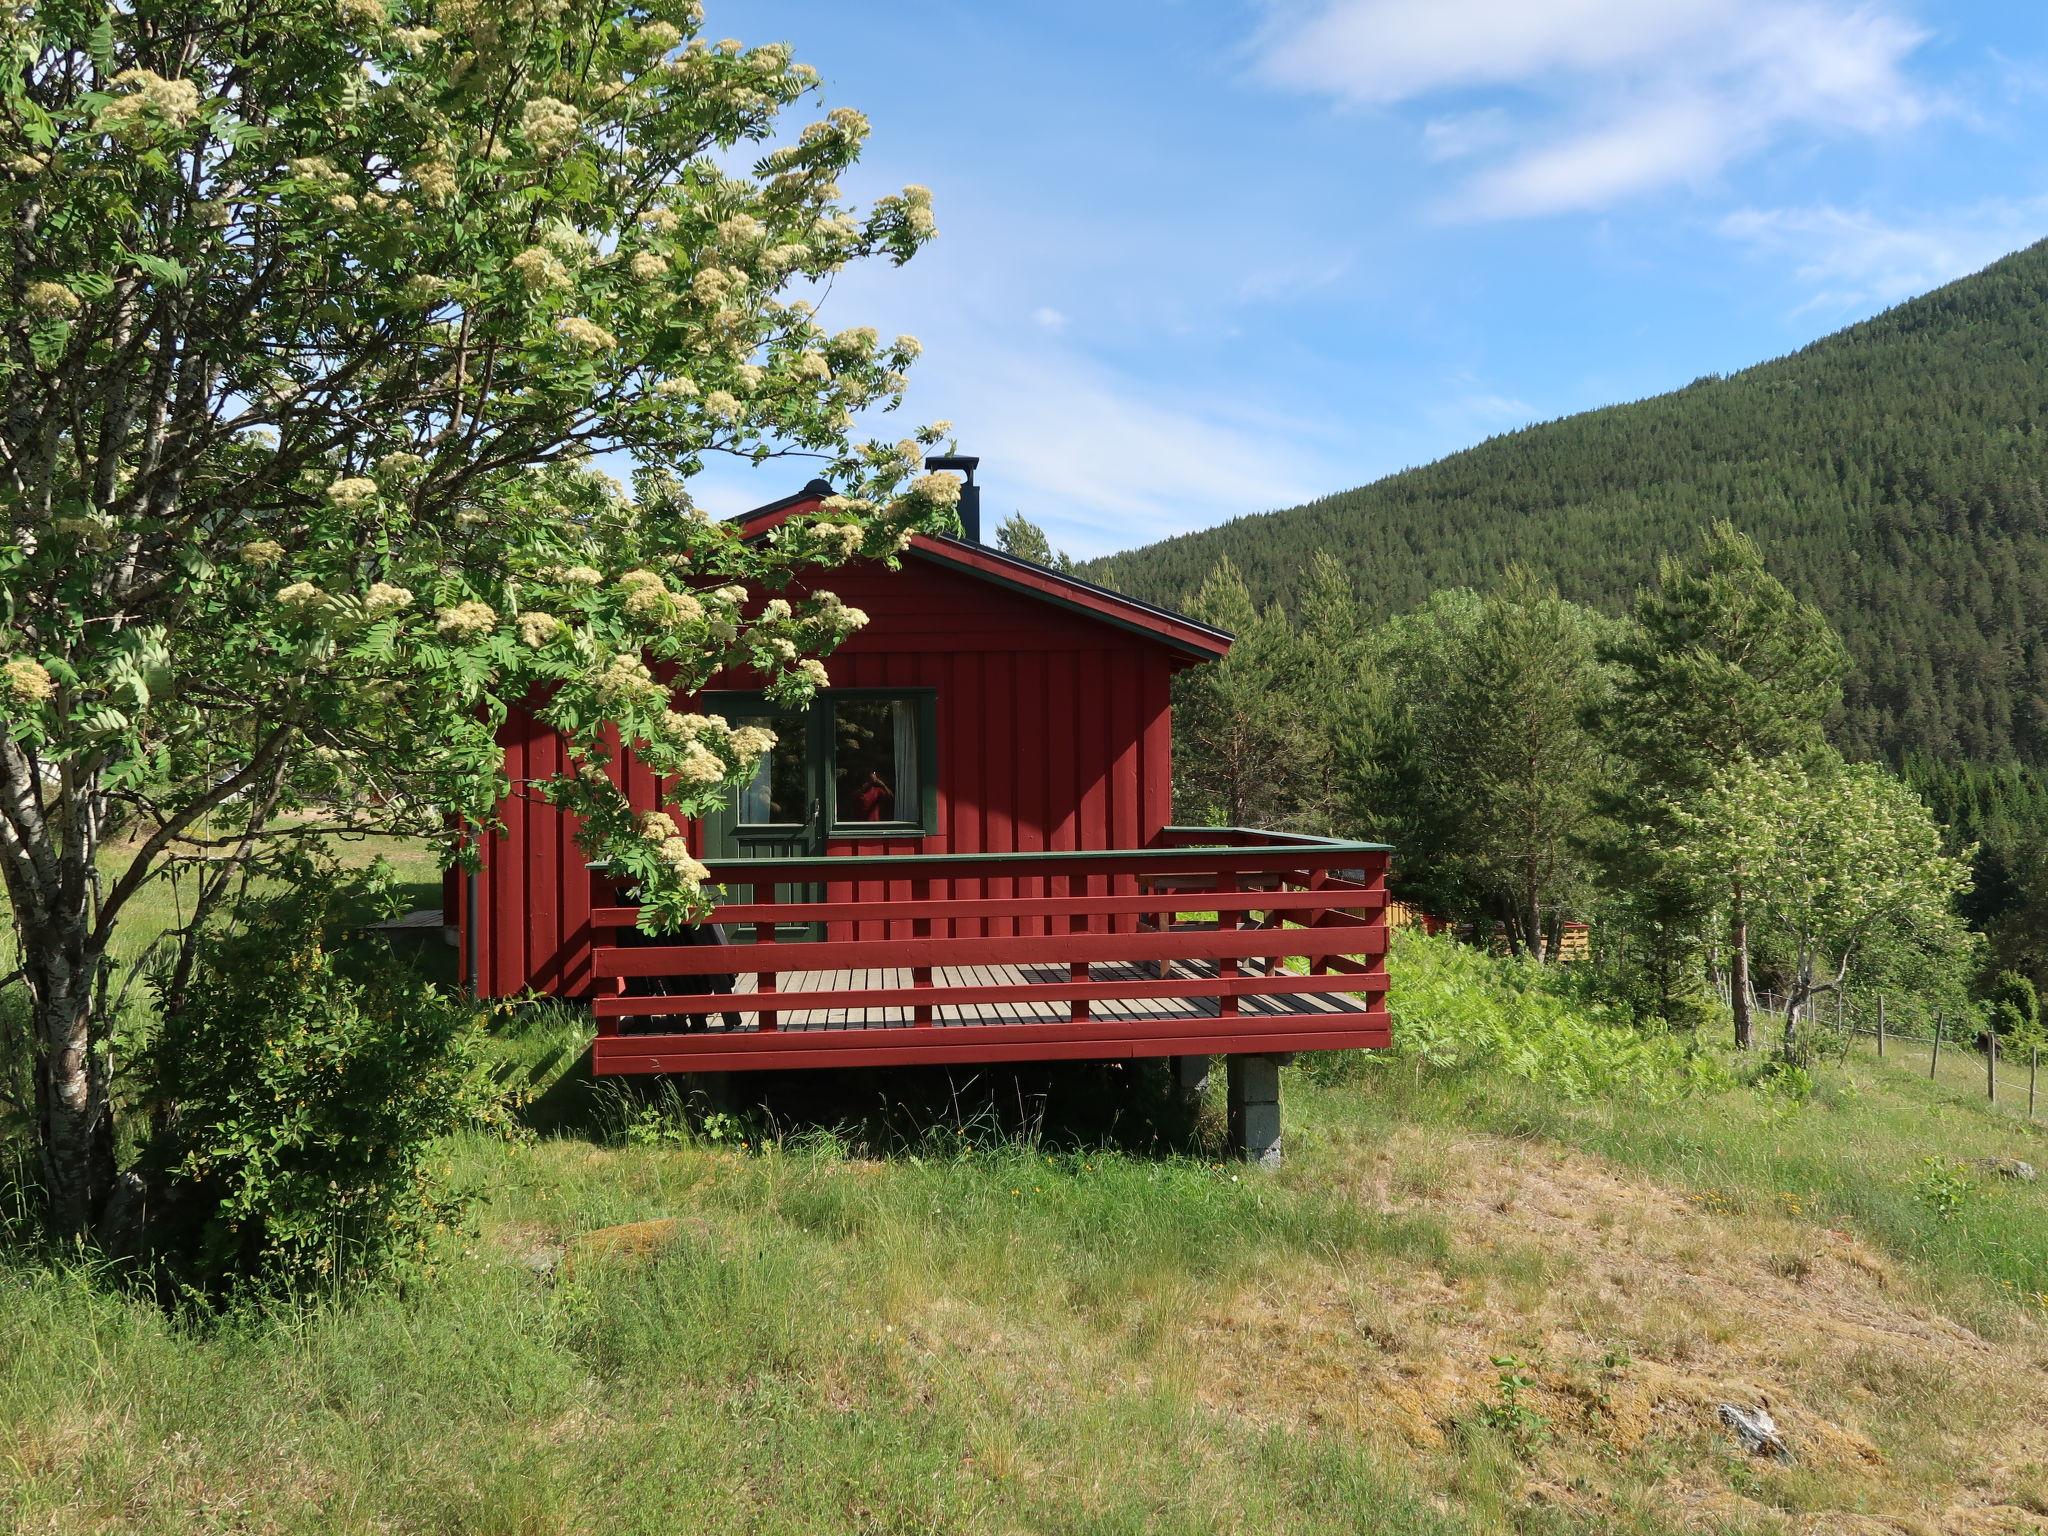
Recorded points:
964,462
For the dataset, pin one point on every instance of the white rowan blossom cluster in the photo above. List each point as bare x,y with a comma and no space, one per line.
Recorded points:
353,494
939,488
625,680
722,405
550,125
361,13
147,99
261,554
814,669
646,267
576,575
752,740
301,597
539,269
713,285
586,335
386,597
28,681
536,628
676,389
438,184
675,853
844,537
699,765
50,301
731,594
416,40
811,365
466,619
776,610
657,826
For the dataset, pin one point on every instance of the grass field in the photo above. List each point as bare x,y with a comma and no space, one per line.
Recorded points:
1033,1301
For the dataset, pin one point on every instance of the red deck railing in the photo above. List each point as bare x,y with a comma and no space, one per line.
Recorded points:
1183,948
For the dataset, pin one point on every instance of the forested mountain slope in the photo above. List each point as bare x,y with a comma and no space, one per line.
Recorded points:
1895,473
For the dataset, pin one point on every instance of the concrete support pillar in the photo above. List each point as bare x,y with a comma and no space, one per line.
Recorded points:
1254,1094
1190,1078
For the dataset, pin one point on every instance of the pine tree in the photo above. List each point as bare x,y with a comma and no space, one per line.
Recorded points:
1721,662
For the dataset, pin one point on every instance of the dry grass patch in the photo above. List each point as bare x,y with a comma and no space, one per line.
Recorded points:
1629,1311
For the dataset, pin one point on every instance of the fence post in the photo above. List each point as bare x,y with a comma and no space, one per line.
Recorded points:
2033,1074
1934,1060
1991,1067
1880,1023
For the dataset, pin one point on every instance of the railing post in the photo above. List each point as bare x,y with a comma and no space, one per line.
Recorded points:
1227,967
765,938
1077,970
921,928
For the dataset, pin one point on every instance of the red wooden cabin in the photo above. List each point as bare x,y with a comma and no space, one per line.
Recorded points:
963,852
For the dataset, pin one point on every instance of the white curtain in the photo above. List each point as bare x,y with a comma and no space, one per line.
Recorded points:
903,714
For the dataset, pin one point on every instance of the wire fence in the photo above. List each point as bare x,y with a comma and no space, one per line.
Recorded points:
1914,1035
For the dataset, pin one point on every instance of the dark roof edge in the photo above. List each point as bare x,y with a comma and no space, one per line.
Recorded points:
817,489
1005,557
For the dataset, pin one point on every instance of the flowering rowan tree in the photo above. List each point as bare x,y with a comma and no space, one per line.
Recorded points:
315,315
1835,859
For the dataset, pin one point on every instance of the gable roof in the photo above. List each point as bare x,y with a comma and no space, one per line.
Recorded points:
1190,637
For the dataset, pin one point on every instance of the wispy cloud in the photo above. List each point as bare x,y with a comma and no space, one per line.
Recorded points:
1046,318
1617,97
1853,260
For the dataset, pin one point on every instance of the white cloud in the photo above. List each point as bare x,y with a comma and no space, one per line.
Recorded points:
1622,96
1852,259
1459,134
1047,318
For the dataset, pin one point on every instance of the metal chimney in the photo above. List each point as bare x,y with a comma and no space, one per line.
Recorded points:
970,493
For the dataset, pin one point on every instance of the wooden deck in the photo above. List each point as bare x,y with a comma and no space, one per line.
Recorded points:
1263,945
854,984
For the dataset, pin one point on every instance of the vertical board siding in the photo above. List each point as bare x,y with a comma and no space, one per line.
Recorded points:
1054,732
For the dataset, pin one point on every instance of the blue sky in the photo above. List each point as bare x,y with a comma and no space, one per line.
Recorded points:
1206,257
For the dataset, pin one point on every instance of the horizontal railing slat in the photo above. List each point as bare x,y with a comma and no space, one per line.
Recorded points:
882,954
915,1038
1013,906
940,994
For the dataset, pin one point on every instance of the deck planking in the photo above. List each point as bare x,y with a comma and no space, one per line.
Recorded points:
832,1013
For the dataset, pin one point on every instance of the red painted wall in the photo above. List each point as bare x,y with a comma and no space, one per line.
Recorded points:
1054,732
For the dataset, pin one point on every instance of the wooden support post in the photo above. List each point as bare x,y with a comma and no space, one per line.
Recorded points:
1254,1097
1880,1023
1934,1059
2033,1077
1991,1066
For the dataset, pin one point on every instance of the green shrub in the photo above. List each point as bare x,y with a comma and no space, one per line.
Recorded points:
1458,1008
298,1091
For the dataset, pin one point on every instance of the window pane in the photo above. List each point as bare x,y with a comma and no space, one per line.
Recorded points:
877,760
779,790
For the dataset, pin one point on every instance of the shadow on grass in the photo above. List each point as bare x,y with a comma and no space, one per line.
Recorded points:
1129,1106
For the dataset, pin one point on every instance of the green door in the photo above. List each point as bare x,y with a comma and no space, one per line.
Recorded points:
780,813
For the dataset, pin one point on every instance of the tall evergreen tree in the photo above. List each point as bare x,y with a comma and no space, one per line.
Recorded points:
1498,782
1721,662
1244,747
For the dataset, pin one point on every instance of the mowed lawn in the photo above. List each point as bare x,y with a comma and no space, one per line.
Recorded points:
1037,1301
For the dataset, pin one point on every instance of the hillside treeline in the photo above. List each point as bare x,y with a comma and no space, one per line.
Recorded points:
1664,774
1895,472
